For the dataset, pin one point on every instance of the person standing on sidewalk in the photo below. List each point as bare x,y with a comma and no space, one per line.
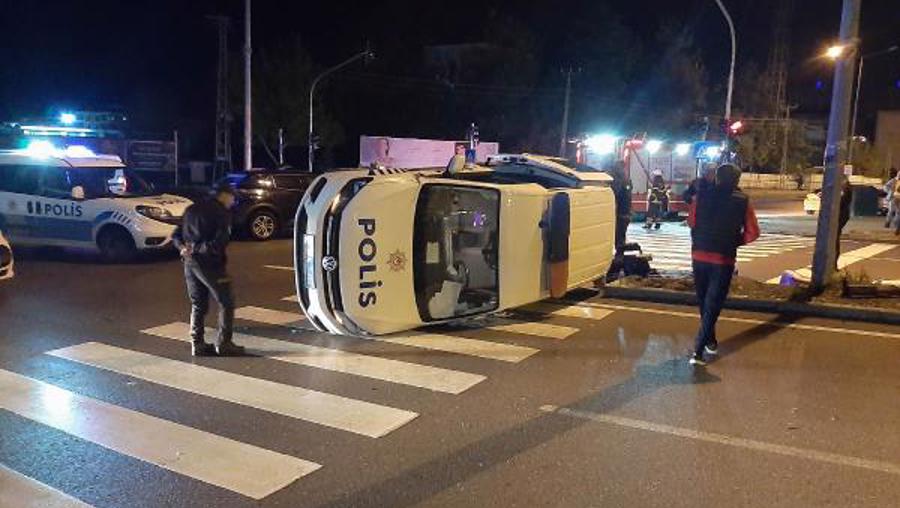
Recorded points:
201,240
721,219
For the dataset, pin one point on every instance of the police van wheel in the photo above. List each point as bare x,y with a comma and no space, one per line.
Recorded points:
116,245
262,225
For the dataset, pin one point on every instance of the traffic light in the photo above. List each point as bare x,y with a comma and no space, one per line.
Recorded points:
736,128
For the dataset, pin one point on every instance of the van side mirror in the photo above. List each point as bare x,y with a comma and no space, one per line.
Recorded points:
78,193
558,235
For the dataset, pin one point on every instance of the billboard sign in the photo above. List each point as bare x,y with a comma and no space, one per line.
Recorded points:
151,156
405,153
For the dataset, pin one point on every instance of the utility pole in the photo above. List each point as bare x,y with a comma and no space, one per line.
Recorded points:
222,159
248,107
565,119
824,262
787,130
733,56
281,147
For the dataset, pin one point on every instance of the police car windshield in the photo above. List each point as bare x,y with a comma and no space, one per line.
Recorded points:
109,182
455,241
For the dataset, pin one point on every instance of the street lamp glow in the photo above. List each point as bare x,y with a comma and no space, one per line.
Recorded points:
653,146
602,144
835,52
682,149
67,118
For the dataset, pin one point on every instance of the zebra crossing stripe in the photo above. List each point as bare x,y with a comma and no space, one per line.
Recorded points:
269,316
569,311
342,413
392,371
846,259
23,492
462,346
239,467
544,330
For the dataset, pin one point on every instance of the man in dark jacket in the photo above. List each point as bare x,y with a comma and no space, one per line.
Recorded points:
201,240
843,216
621,187
721,219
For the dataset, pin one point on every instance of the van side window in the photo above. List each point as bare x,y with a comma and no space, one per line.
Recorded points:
19,179
55,183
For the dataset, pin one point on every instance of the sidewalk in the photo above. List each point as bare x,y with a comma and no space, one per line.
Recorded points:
863,229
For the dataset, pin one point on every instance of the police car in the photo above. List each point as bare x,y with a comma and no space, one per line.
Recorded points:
75,198
383,251
6,259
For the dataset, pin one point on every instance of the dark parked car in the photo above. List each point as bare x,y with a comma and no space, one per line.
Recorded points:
266,201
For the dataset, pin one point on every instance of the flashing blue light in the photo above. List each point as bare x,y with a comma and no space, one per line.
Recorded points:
67,118
76,151
712,152
897,84
682,149
41,149
820,84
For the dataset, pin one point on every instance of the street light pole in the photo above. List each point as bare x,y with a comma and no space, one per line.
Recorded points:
733,56
248,108
824,258
862,60
367,53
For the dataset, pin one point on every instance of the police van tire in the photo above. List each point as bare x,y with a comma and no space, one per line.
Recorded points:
116,245
262,225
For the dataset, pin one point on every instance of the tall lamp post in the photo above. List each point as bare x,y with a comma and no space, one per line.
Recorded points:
862,60
733,56
365,54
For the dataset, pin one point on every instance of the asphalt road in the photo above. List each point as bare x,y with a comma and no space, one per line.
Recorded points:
595,405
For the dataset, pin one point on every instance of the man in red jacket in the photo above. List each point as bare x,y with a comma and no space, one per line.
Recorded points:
721,219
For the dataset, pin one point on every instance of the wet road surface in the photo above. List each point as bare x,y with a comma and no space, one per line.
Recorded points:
590,403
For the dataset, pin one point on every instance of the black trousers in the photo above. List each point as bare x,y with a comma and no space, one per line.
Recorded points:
203,281
622,222
711,283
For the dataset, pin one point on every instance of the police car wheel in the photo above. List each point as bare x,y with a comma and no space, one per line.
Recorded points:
116,245
262,225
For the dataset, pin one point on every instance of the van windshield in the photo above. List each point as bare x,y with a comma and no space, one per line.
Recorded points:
455,246
109,182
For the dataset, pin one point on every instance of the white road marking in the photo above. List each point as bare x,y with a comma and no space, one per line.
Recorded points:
20,491
279,267
846,259
734,441
268,316
342,413
392,371
545,330
570,311
462,346
795,326
232,465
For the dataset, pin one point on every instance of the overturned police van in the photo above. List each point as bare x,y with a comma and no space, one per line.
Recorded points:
380,251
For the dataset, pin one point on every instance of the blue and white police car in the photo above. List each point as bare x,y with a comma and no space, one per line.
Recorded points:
74,198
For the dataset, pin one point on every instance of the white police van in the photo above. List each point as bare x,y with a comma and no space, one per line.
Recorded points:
75,198
6,259
381,251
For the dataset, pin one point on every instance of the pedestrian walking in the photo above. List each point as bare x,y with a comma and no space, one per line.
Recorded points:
896,201
843,216
889,197
721,219
657,202
202,240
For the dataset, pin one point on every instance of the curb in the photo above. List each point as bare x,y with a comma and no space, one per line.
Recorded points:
754,305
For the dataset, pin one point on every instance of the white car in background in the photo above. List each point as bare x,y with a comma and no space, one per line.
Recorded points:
813,201
381,251
6,259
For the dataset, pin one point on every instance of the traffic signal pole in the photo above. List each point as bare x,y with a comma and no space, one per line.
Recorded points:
824,262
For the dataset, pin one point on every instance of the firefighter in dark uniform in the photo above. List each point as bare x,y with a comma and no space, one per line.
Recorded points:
201,240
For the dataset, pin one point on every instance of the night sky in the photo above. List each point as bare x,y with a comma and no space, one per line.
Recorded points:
156,59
